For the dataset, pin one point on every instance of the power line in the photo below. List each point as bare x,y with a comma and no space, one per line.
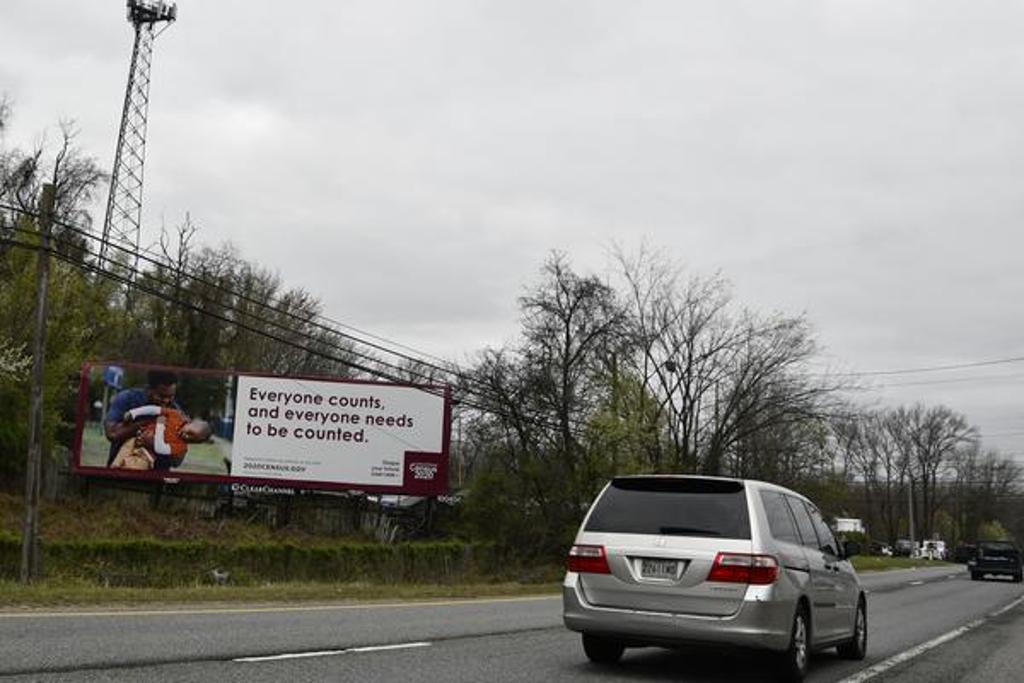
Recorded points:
158,260
469,382
935,368
959,380
126,280
141,285
151,258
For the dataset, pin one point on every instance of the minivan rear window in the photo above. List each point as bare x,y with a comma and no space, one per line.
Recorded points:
672,507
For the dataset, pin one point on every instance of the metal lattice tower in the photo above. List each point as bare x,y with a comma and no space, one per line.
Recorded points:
124,205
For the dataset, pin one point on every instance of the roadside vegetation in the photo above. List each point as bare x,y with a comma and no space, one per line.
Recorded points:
876,563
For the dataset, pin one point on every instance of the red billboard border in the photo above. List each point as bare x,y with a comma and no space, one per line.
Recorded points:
185,477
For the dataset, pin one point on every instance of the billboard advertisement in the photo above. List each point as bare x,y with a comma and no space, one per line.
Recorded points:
161,423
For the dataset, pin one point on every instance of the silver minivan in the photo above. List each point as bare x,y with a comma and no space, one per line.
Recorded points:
672,560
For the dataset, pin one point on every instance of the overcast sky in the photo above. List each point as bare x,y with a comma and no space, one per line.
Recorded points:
413,163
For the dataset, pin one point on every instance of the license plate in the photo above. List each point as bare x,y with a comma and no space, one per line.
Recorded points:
651,568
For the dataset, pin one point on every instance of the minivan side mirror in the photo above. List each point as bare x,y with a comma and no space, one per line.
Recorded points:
851,548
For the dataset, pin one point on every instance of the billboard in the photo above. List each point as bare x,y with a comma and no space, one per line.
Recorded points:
177,424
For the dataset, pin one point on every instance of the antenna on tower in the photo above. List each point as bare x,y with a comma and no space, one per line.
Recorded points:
124,205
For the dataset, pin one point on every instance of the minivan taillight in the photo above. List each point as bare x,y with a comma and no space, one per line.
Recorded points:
588,559
759,570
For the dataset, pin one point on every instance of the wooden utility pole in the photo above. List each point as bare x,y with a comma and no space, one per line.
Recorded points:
33,468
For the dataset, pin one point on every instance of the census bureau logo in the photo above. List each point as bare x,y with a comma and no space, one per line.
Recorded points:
423,470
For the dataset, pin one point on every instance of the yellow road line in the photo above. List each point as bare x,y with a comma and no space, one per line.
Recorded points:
262,610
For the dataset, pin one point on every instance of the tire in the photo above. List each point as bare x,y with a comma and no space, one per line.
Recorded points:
1018,577
975,576
857,647
796,659
602,650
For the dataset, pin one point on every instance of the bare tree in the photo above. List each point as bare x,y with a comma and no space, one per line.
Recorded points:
869,444
75,175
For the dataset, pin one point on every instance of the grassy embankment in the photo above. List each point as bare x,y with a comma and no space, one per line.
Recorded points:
109,552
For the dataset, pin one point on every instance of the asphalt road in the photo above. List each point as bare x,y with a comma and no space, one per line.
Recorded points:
494,640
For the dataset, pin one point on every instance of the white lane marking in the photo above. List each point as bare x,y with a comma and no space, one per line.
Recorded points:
378,648
917,583
887,664
291,655
331,653
1009,607
261,610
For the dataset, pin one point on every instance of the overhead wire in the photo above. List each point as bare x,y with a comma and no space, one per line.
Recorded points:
468,381
452,370
159,260
141,286
935,368
155,260
135,283
957,380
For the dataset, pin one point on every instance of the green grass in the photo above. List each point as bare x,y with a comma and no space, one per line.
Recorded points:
871,563
74,593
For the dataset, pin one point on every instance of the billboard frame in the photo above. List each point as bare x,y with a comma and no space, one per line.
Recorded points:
82,410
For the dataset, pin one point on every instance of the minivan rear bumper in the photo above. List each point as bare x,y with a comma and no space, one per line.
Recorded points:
761,622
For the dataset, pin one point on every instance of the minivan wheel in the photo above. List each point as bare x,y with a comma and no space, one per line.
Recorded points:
602,650
796,658
857,647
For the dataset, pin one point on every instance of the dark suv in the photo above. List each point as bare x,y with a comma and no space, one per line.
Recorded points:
996,557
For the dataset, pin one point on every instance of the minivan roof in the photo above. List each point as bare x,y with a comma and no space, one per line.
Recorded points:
755,482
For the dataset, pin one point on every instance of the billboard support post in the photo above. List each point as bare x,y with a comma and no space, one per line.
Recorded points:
33,465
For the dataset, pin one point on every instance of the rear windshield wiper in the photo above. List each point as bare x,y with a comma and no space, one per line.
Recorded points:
686,531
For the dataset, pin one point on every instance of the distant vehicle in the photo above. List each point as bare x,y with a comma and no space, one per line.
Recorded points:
933,550
668,560
1000,558
881,549
903,548
846,525
964,553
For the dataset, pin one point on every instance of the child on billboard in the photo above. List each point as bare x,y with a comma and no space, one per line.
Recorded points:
167,434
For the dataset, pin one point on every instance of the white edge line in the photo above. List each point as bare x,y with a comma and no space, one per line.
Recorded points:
1006,609
887,664
331,653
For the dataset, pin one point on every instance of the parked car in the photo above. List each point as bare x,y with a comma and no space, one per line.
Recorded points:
1000,558
903,548
877,548
672,560
933,550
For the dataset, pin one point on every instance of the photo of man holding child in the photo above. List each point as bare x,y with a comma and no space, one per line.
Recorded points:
148,429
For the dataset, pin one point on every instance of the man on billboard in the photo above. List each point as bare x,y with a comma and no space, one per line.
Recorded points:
146,427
